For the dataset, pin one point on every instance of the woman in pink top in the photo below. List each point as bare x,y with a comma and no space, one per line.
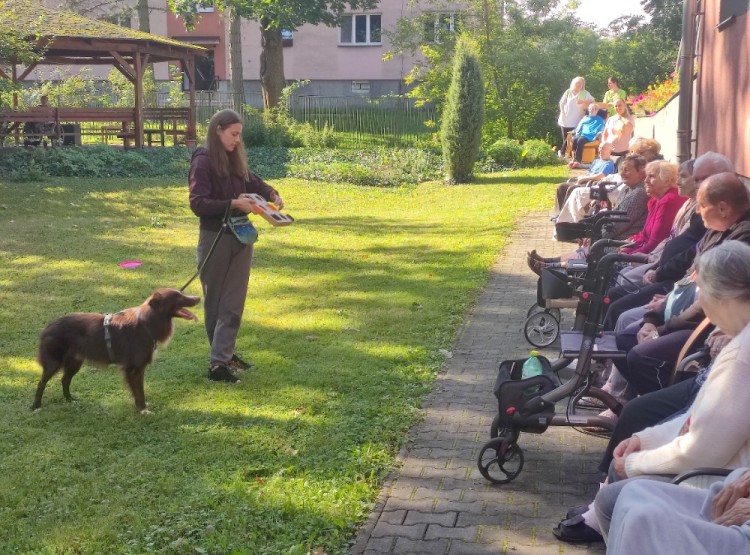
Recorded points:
665,202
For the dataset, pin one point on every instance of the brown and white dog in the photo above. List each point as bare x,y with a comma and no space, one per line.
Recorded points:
127,338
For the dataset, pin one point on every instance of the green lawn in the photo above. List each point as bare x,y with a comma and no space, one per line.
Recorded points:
348,312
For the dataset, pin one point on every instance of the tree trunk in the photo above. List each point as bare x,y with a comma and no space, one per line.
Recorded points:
235,54
144,25
271,64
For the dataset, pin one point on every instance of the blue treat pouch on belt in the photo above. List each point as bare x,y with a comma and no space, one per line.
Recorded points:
243,229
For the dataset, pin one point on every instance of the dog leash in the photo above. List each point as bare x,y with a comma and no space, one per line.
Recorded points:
224,225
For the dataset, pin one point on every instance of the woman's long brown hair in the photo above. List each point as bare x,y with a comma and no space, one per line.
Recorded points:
222,162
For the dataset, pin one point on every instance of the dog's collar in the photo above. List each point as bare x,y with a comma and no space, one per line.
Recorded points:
108,336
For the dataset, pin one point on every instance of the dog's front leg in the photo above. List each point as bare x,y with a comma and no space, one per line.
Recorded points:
134,377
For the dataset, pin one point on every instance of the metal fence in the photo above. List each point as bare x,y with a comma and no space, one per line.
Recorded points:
354,121
389,121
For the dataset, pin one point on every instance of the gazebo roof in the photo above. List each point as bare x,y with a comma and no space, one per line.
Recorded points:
70,38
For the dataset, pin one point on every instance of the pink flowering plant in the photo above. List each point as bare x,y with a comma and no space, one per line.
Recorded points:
656,96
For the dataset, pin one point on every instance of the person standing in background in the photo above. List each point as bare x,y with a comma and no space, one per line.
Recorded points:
573,105
610,97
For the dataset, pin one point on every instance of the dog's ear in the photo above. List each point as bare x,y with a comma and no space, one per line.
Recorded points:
156,299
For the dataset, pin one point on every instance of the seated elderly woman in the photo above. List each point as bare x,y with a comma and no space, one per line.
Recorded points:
665,202
655,518
634,202
712,432
588,130
578,202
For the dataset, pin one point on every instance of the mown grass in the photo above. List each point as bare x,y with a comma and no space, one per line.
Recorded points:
348,311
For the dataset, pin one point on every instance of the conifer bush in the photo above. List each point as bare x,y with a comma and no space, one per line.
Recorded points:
463,115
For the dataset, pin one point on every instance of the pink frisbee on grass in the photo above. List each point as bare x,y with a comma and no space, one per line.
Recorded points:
129,264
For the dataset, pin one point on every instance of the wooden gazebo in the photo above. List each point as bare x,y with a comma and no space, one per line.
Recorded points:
66,38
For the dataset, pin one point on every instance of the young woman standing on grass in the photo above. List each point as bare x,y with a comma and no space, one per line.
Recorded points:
218,178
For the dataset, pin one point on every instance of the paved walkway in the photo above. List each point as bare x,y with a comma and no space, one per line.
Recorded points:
437,502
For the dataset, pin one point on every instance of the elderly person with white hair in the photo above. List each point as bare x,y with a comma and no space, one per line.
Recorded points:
713,432
587,130
573,104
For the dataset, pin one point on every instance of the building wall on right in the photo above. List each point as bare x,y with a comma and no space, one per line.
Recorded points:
722,101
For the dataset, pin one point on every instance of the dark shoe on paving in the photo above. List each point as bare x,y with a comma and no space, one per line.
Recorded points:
221,373
553,260
238,365
576,511
575,530
535,265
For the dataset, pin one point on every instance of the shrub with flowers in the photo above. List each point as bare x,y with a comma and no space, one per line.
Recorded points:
656,96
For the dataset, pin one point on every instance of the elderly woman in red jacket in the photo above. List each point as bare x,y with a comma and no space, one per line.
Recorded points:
665,202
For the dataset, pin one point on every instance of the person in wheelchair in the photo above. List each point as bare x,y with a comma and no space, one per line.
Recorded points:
712,432
578,203
599,169
634,202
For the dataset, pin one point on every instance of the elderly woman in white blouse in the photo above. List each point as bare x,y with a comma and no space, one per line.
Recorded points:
573,105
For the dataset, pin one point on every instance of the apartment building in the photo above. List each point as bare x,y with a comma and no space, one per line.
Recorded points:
342,61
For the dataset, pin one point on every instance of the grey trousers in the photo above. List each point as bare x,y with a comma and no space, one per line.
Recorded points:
608,496
224,280
656,518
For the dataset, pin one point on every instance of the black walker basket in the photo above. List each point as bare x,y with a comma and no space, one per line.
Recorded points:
512,393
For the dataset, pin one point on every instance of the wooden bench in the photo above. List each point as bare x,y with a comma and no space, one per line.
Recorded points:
171,122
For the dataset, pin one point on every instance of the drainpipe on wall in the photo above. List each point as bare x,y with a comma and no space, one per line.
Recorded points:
685,113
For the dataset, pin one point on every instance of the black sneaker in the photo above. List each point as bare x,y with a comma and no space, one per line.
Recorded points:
238,365
221,373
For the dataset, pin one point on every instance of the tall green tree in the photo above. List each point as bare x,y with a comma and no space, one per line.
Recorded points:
461,125
273,17
529,51
666,18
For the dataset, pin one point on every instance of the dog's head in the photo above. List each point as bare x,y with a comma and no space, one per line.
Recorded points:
172,303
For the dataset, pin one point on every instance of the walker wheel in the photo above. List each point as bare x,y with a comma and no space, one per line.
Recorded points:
541,329
535,308
500,461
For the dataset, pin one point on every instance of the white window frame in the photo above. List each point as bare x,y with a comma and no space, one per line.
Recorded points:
361,87
437,28
368,42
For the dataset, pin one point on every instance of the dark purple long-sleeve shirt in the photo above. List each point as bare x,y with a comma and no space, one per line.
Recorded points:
210,195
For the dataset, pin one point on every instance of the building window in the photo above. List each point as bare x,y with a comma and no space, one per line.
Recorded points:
437,26
731,8
206,9
361,87
361,29
287,37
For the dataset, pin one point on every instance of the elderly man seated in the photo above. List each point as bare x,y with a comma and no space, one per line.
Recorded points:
634,202
599,169
579,200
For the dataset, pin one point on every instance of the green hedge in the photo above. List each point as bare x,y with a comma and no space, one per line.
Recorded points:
374,166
